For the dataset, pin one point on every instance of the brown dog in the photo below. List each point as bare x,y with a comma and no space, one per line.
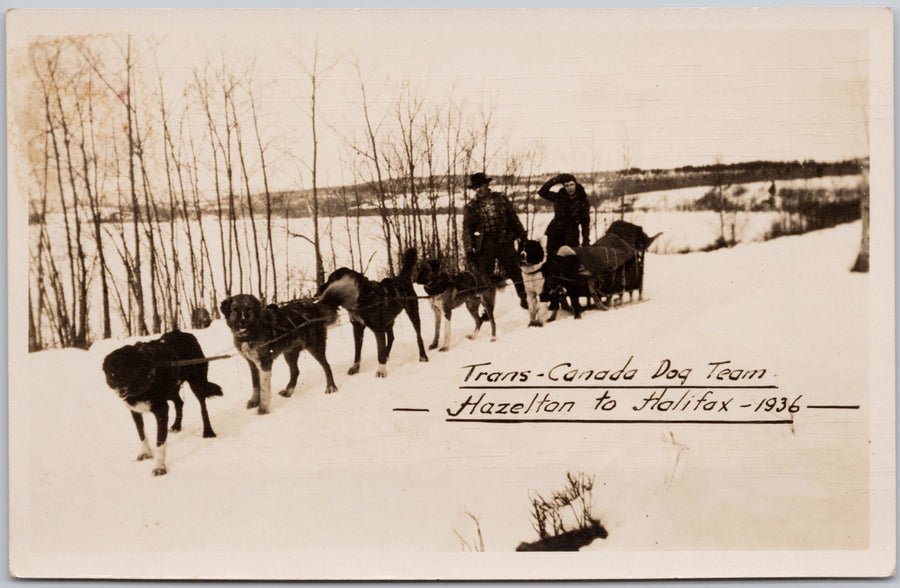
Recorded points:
262,334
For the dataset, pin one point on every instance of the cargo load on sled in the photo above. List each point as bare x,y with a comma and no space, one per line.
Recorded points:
610,267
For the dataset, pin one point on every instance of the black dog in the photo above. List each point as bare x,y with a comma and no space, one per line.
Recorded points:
262,334
563,276
143,375
447,292
376,305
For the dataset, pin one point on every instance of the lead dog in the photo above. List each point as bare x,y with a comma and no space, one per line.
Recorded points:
447,292
146,379
376,305
262,334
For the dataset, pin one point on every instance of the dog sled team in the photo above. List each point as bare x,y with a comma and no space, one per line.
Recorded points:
148,375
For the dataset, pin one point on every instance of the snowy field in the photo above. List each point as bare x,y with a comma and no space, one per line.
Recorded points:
346,476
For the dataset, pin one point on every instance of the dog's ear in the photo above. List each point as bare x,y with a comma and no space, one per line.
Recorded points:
257,306
648,241
108,362
226,307
419,273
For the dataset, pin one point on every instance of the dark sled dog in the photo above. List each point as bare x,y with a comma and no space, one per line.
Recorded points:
448,291
376,305
144,377
261,334
562,277
200,318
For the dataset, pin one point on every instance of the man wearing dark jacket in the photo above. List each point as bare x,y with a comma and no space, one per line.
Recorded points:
571,211
490,228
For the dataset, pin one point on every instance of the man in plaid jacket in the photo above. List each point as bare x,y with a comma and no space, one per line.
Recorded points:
490,229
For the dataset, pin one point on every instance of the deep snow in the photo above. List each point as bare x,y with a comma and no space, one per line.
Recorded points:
344,476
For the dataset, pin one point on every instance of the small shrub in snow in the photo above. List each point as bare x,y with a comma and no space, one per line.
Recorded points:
570,505
477,543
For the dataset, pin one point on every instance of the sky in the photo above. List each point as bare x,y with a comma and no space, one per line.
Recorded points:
597,89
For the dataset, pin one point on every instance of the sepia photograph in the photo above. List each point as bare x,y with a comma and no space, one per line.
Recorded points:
333,294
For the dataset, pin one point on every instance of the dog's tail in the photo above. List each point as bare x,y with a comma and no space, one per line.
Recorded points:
329,313
207,389
342,291
408,264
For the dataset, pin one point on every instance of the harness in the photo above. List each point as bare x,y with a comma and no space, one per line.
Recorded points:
438,285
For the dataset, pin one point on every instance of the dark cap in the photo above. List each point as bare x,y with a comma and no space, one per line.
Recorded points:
477,180
563,178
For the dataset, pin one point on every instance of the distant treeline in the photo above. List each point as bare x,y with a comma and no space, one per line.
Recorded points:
601,186
690,176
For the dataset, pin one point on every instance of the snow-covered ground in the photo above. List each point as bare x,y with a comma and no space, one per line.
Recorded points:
348,477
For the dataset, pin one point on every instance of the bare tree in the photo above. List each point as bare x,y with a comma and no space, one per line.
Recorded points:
122,89
862,259
205,97
408,107
265,175
628,152
227,83
182,209
346,206
90,170
593,195
239,143
315,75
371,151
194,172
722,205
170,161
41,170
152,228
45,62
532,159
61,140
454,148
428,132
484,128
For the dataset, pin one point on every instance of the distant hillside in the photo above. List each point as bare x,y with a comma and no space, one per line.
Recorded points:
601,187
738,173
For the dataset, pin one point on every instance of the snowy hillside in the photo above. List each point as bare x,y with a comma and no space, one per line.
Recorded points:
748,193
347,476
